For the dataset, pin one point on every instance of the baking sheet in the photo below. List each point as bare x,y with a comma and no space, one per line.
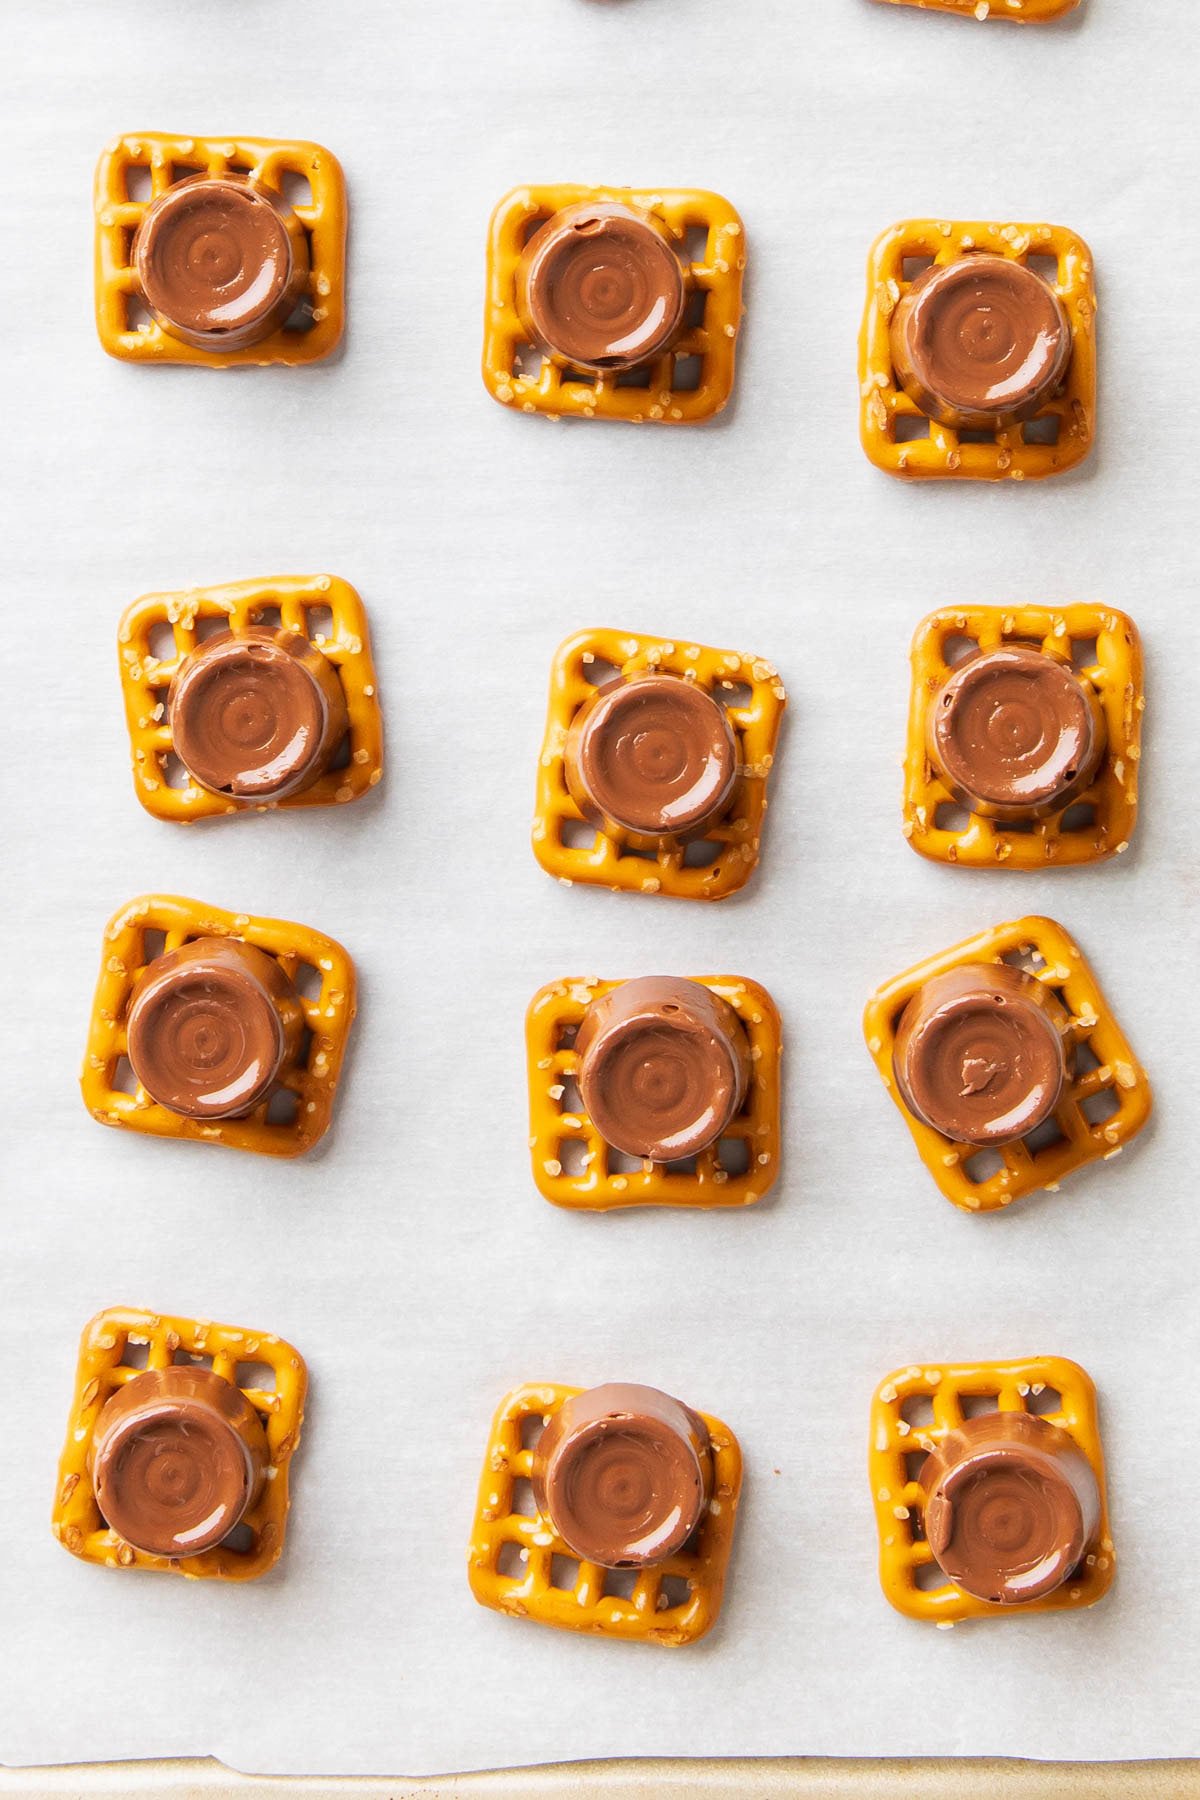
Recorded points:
411,1259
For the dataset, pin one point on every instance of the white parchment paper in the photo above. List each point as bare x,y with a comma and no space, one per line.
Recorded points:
411,1259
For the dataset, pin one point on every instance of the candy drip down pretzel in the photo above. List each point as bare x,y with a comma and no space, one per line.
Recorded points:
1021,12
900,1500
558,1130
1014,452
146,677
312,1080
1093,1037
531,1588
1113,671
172,158
647,865
76,1520
559,390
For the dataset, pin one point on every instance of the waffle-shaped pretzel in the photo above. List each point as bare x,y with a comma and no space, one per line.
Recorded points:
575,1168
1012,452
562,391
1021,12
518,1565
900,1498
312,1081
1113,669
1093,1039
170,158
103,1368
625,860
146,677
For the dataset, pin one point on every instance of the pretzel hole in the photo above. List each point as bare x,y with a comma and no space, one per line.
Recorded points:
912,266
522,1502
914,1462
950,816
570,1100
977,434
695,244
283,1107
238,165
1085,1059
976,1406
701,853
160,640
983,1166
600,673
1026,957
318,623
532,1427
619,1583
136,1354
956,647
153,945
1048,1401
1084,653
211,626
123,1080
138,316
634,378
258,1377
733,1154
927,1576
194,1359
307,979
295,187
1045,266
578,378
533,224
173,771
528,362
673,1590
695,309
1045,430
139,183
1099,1107
564,1573
617,1163
1079,816
573,1157
565,1034
687,374
734,694
1019,827
511,1560
269,617
181,171
241,1540
1044,1136
682,1165
917,1409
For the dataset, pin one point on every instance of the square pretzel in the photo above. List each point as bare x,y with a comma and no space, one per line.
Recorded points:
1021,12
625,861
1103,1105
103,1368
575,1168
312,1079
674,1603
665,395
900,1501
146,677
1016,452
171,158
1114,672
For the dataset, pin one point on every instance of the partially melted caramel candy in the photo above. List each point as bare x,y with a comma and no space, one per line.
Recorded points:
221,261
979,342
256,714
210,1026
1015,734
979,1053
663,1066
654,755
623,1474
1013,1506
177,1458
600,286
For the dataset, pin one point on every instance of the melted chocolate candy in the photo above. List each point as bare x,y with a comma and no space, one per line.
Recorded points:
979,342
1013,1506
979,1053
654,755
663,1067
1015,734
623,1474
221,261
256,714
601,287
177,1458
210,1025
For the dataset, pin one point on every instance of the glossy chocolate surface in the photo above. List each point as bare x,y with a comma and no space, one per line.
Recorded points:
663,1066
177,1458
980,341
1013,1506
256,714
623,1474
221,261
601,287
210,1025
654,755
979,1053
1015,733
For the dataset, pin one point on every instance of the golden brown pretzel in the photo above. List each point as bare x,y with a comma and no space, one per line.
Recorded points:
1021,12
672,1603
900,1499
103,1368
171,157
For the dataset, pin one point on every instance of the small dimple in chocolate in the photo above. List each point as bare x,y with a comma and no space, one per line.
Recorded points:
1015,733
623,1473
221,261
654,755
981,341
979,1053
601,287
663,1067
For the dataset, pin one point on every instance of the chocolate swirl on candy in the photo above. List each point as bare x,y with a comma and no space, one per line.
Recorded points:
654,755
601,286
982,341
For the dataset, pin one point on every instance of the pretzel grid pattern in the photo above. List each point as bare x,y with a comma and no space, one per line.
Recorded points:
560,390
649,1614
625,861
313,1079
1115,673
145,679
900,1502
171,158
1009,454
76,1519
1021,12
1092,1027
702,1182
